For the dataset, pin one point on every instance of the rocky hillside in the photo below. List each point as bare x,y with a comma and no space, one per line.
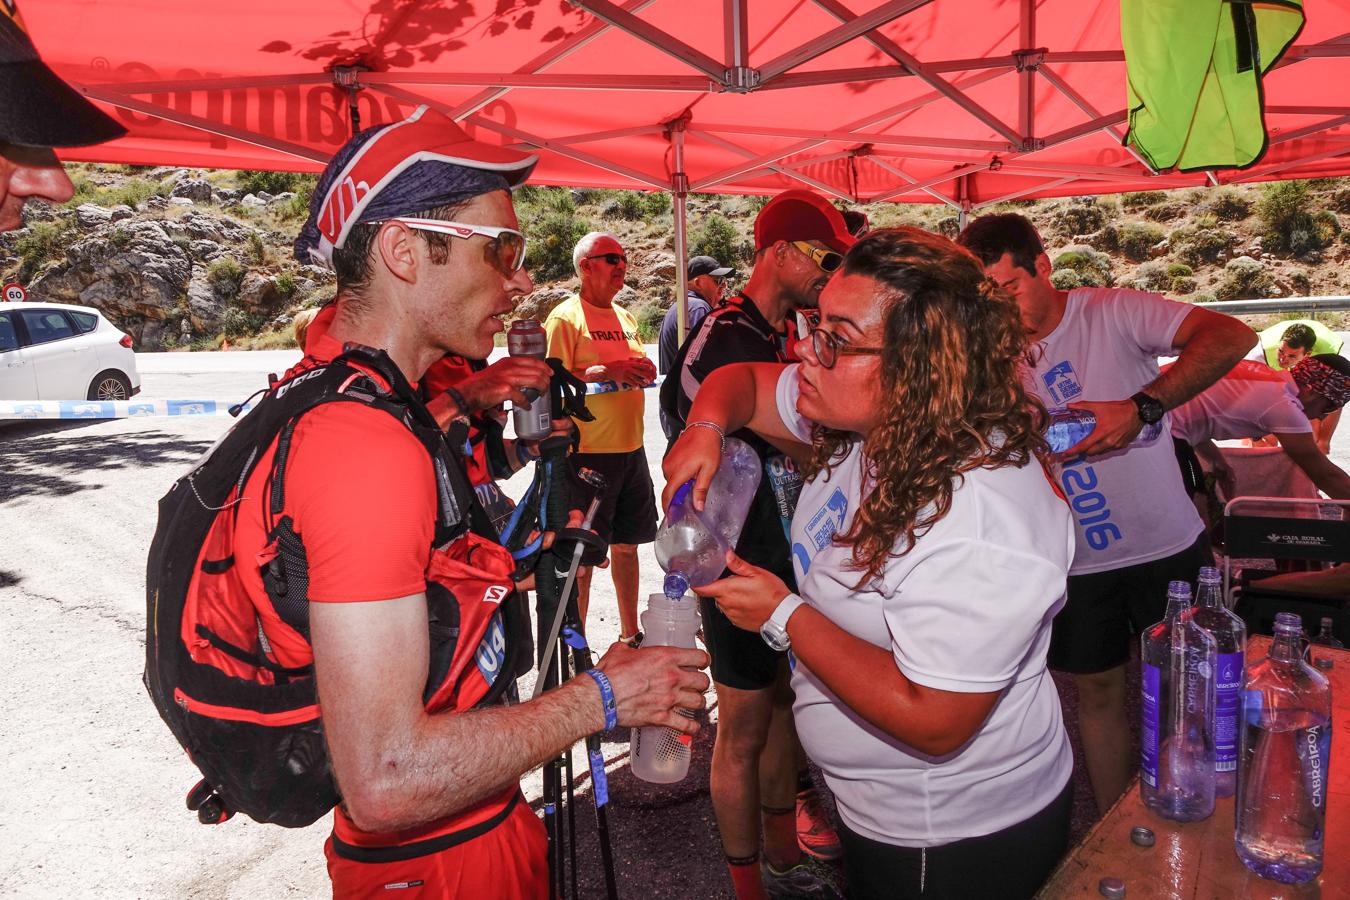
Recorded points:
184,258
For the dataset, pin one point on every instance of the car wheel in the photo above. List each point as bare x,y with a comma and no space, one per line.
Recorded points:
110,385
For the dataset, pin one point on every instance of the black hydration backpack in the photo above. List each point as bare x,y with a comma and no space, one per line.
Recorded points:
250,725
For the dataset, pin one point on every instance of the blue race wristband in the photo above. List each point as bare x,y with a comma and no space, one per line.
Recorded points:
606,697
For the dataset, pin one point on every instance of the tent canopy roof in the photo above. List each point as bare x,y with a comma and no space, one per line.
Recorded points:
966,102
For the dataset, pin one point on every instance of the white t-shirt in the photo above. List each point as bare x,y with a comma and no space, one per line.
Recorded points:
968,609
1250,401
1130,506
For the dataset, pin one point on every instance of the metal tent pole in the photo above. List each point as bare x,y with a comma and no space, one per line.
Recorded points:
679,187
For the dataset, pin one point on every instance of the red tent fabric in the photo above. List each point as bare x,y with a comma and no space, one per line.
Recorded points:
966,102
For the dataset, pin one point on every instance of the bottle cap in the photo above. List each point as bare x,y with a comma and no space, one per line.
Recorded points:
1142,836
1287,621
675,586
1113,888
1180,589
1210,575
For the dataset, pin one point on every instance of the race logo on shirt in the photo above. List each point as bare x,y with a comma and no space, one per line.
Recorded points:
613,335
1062,383
821,528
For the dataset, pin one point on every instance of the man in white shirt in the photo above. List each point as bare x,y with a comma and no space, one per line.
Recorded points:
1254,400
1097,349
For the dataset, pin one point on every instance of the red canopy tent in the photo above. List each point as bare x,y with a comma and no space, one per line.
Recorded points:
963,102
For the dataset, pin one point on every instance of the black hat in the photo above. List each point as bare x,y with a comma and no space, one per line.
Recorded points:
706,265
39,109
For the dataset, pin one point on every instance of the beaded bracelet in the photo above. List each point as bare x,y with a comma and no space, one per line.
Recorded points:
606,697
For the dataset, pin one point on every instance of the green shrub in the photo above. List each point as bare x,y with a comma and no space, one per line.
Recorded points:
1203,298
257,250
1301,282
1290,226
224,274
236,322
132,192
1077,218
253,181
1136,239
1165,212
41,242
1183,285
1140,199
1199,246
1228,205
1179,270
1151,276
656,203
1092,267
1244,279
553,235
718,238
1065,279
285,283
296,209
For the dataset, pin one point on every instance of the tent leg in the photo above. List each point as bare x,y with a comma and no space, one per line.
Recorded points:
679,187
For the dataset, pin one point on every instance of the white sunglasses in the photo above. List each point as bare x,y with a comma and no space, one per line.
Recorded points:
505,252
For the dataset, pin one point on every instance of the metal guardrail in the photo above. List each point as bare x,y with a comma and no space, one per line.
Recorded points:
1280,305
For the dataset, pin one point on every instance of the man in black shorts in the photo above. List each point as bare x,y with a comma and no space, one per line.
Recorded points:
1097,349
598,341
799,239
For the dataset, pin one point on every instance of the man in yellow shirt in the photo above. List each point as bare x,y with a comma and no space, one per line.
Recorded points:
598,341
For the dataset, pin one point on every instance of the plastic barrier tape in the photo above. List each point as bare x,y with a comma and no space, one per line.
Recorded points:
111,409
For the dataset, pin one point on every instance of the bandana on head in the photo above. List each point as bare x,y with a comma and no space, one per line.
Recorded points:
1311,374
405,167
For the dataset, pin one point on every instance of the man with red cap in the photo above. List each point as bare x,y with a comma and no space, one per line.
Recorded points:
758,768
39,111
416,220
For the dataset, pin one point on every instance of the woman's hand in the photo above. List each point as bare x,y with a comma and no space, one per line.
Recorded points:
749,596
696,455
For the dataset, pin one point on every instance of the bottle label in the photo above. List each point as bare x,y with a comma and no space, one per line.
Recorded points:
1227,700
1314,756
1148,733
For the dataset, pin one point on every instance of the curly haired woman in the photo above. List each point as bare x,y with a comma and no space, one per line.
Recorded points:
931,552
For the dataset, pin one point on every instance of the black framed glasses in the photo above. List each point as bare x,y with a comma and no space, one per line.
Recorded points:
828,346
825,260
612,259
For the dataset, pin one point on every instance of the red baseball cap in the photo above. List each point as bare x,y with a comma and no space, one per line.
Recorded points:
802,216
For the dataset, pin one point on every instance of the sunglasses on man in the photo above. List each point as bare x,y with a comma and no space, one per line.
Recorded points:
612,259
505,252
825,260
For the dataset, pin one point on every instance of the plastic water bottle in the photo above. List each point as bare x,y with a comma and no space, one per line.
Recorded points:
1230,639
1177,738
1286,755
661,754
526,337
1326,637
1068,426
691,545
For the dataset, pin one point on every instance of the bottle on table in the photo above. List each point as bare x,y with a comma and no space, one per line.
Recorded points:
1230,639
691,545
1326,637
1068,426
661,754
1286,755
1177,737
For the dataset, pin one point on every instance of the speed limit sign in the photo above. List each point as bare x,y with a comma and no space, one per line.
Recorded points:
15,293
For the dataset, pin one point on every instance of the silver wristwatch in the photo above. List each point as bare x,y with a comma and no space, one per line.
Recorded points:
774,631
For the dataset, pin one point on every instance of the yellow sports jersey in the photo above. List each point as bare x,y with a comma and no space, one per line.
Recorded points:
583,335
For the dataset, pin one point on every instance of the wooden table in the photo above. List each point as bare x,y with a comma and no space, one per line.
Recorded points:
1196,861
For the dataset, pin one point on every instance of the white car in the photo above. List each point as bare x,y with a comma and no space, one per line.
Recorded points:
54,351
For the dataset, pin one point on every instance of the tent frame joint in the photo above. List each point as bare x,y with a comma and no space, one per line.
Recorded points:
1029,60
742,79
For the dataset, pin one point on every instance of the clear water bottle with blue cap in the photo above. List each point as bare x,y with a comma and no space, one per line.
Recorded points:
1177,776
691,545
1286,757
1069,425
1230,639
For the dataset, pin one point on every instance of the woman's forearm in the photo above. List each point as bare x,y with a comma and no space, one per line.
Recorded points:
865,677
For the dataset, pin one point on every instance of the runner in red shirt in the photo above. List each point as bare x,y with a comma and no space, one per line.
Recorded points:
426,259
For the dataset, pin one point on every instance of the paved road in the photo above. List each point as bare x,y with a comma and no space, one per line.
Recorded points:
92,783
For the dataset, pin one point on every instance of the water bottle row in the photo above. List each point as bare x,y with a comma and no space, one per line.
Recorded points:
1218,724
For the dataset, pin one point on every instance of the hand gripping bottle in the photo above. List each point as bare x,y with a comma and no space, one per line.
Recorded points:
1230,639
1177,734
1068,426
661,754
1286,753
526,337
691,545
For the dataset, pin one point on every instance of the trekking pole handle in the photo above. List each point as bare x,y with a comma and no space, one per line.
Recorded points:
558,615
